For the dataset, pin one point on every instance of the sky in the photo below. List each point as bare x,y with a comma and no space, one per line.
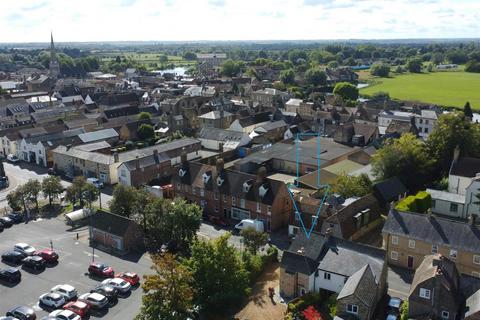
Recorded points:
196,20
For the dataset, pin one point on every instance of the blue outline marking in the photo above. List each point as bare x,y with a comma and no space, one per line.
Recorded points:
326,186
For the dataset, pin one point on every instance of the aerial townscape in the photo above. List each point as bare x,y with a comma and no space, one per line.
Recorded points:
287,160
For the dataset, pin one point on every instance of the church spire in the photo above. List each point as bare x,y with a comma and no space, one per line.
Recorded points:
54,65
52,48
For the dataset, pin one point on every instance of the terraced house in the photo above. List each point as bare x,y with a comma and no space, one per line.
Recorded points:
233,195
409,237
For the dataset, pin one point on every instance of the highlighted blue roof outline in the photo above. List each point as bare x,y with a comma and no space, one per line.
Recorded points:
319,185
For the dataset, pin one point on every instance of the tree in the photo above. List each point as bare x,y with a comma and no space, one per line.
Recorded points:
32,189
75,192
14,200
231,68
51,188
380,70
219,274
124,200
415,65
176,221
405,158
287,76
163,58
144,116
315,76
346,90
189,56
349,186
168,293
472,66
254,239
90,194
467,110
453,130
145,131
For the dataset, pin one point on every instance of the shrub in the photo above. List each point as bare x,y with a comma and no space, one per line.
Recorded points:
407,204
424,201
129,145
272,254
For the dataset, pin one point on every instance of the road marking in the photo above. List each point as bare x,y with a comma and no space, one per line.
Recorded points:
90,254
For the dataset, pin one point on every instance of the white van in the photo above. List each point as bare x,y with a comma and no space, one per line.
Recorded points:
250,223
12,158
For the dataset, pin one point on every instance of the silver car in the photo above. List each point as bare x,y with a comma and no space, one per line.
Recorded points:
94,300
67,291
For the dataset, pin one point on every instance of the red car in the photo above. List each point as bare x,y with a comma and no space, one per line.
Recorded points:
130,277
78,307
101,270
48,255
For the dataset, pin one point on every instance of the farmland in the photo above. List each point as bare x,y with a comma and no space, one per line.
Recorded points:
442,88
146,59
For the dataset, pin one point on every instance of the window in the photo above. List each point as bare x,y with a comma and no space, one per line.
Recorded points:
411,244
433,203
242,203
425,130
421,120
434,249
476,259
426,121
269,210
259,207
394,240
234,201
225,198
424,293
453,207
394,255
327,276
445,314
202,192
194,191
352,308
453,254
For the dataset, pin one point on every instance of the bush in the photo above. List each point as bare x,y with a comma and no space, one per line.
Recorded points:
380,70
272,254
409,204
424,201
254,264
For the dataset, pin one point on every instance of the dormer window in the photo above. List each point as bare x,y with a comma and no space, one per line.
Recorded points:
262,191
182,172
247,185
206,177
220,181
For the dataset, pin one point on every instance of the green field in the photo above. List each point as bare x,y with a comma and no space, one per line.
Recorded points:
145,58
442,88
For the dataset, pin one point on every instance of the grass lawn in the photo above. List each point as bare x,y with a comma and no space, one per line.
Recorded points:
145,58
442,88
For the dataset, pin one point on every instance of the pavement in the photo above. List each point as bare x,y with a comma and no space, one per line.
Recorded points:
75,256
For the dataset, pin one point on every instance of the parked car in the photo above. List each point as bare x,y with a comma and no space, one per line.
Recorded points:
12,158
52,300
24,248
79,307
119,284
101,270
10,275
6,221
22,313
130,277
97,183
4,183
67,291
48,255
8,318
16,217
13,256
94,300
107,290
34,262
394,305
1,227
64,315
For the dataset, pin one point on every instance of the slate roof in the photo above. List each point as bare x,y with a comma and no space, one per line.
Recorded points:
473,304
360,285
111,223
145,162
214,115
465,167
390,189
254,119
119,99
98,135
432,229
220,134
332,255
271,125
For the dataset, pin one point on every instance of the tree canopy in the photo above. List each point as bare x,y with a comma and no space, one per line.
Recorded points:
346,90
51,188
349,186
315,76
415,65
380,69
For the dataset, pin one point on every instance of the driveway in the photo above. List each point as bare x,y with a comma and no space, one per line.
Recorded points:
399,281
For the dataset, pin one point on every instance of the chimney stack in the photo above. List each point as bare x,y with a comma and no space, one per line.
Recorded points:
116,157
155,156
261,174
219,164
220,147
137,163
183,156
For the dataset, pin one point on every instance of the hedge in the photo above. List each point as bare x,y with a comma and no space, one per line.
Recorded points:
420,202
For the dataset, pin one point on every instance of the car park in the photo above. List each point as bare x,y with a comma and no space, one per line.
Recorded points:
79,307
48,255
119,284
52,300
10,275
107,290
34,262
67,291
130,277
101,270
64,315
15,216
22,313
24,248
6,221
94,300
15,257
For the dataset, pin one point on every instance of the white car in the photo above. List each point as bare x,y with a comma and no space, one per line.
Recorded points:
12,158
67,291
52,299
94,300
64,315
119,284
24,248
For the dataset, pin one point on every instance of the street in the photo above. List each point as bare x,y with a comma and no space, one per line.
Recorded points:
75,256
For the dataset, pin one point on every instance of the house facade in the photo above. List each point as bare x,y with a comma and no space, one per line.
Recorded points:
425,122
409,237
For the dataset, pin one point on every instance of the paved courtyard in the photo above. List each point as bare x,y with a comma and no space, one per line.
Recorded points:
75,256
